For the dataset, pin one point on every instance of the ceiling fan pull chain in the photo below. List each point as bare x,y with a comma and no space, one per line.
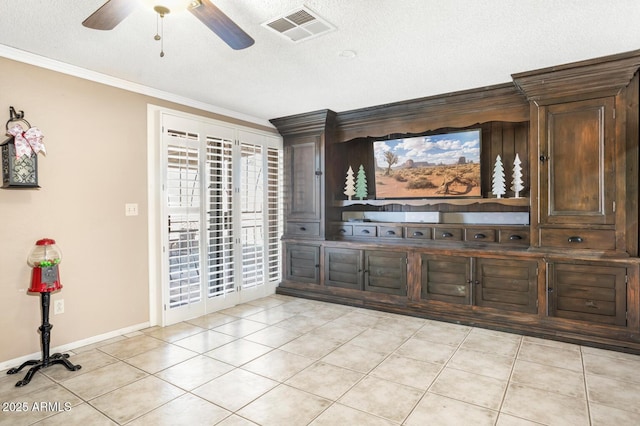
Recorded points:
162,36
157,36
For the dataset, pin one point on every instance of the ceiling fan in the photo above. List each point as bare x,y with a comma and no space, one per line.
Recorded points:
113,12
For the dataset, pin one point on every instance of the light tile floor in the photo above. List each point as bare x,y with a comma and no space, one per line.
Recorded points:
286,361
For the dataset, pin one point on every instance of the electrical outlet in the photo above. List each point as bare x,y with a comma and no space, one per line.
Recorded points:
58,307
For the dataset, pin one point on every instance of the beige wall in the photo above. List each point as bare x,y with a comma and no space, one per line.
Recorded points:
96,141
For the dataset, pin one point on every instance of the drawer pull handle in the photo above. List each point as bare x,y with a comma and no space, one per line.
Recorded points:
390,232
591,304
479,236
365,231
575,239
302,228
515,237
447,235
342,231
418,234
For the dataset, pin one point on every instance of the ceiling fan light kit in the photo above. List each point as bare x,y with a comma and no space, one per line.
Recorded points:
110,14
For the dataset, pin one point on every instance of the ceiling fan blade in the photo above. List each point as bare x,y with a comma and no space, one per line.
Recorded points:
222,25
110,14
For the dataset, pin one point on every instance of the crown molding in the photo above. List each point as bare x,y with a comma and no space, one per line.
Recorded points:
75,71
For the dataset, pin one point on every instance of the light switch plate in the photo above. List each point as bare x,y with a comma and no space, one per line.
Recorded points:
131,209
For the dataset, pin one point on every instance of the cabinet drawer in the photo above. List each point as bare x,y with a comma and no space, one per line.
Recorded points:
308,229
341,230
578,238
390,231
364,230
418,232
447,234
480,235
513,236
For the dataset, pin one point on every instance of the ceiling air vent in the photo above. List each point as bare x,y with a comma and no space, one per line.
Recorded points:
299,24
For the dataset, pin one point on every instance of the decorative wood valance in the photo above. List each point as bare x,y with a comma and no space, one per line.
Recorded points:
458,109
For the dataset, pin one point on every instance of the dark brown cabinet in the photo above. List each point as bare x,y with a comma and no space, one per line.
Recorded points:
560,263
303,173
577,173
305,137
302,263
385,272
495,283
446,278
510,285
343,268
593,293
378,271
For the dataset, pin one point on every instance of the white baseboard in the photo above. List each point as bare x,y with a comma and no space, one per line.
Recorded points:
70,346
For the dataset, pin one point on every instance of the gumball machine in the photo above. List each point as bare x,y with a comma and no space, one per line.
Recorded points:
44,259
45,279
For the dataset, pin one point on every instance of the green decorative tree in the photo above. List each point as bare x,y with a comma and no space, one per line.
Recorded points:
361,184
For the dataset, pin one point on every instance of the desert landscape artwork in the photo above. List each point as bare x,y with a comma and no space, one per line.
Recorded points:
443,165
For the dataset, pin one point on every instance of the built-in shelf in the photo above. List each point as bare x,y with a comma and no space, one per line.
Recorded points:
434,201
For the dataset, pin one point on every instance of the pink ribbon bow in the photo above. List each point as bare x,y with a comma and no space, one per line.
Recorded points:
27,142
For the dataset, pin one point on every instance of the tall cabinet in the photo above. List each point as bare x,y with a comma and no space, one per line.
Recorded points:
305,137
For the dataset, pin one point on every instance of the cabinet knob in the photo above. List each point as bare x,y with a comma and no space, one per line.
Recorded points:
550,290
476,282
302,228
543,158
479,236
575,239
447,235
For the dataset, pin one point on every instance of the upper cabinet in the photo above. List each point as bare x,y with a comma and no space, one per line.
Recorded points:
305,137
580,143
577,162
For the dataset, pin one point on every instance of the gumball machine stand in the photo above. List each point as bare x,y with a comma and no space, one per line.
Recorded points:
45,279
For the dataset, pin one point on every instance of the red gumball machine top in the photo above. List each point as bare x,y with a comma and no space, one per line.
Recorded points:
44,259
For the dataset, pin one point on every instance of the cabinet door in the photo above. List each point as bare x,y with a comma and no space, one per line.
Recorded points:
385,272
303,263
303,178
588,292
506,284
343,268
577,173
446,278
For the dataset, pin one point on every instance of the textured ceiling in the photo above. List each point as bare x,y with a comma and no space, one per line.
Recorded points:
405,49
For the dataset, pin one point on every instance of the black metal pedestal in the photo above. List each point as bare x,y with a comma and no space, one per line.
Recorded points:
45,338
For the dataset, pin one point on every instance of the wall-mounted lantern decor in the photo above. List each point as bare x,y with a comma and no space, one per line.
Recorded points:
20,152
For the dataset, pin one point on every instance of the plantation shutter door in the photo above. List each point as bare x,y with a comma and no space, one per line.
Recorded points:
260,193
274,212
252,214
220,231
183,199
